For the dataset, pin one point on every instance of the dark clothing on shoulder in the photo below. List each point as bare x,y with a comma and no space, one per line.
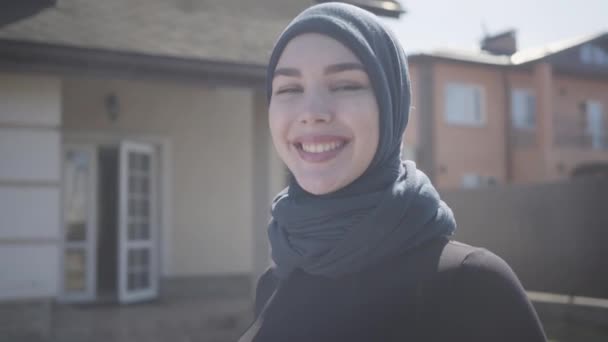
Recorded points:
440,291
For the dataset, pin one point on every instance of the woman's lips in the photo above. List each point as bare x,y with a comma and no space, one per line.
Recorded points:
318,149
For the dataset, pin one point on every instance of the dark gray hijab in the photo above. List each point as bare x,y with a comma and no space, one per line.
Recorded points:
393,206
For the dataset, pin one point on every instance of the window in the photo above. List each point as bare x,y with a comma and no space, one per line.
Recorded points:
595,124
464,104
471,180
475,180
586,52
523,109
593,54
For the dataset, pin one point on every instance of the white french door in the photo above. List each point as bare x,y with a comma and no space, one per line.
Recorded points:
137,226
78,261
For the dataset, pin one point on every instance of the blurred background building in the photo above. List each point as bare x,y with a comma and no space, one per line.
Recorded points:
503,116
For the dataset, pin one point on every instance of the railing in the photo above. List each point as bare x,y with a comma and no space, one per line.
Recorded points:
573,131
570,131
584,141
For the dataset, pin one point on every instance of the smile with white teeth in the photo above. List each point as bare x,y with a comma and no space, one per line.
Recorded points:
320,148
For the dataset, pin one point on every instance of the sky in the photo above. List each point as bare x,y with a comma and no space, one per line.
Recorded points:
433,24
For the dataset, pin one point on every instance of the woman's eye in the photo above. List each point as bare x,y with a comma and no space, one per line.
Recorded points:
288,90
347,87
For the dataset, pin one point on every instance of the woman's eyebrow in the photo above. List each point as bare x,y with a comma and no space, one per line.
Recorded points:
340,67
330,69
289,72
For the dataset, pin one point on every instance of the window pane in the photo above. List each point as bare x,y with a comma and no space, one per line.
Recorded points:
133,184
133,161
470,180
139,184
145,162
517,109
138,259
598,55
77,175
586,53
523,109
144,280
145,258
75,270
132,281
595,124
463,104
144,186
144,231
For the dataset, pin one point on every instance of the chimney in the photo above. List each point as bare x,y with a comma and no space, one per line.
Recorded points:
504,43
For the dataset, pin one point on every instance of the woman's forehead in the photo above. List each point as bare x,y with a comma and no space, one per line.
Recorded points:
315,50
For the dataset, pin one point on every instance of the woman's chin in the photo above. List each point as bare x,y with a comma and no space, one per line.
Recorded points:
319,186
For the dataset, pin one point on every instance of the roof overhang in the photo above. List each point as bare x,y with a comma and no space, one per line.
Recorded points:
37,57
15,10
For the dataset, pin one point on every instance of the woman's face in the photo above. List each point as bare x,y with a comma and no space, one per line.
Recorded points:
323,113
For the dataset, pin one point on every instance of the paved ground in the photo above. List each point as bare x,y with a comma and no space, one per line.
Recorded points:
565,323
179,321
194,320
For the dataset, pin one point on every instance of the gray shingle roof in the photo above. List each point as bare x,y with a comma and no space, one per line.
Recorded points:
241,31
518,58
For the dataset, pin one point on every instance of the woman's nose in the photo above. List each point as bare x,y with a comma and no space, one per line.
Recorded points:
315,109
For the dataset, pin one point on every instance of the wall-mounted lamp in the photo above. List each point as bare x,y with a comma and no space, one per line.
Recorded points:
112,106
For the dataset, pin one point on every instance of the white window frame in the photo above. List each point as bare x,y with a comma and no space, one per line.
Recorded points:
521,121
462,118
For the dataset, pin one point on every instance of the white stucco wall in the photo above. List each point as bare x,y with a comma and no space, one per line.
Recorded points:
30,118
210,131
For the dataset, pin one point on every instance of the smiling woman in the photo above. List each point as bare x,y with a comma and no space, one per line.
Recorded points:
324,116
360,240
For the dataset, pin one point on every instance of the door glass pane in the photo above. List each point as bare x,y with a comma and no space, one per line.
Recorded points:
144,279
144,186
144,231
144,163
139,259
134,161
139,200
132,283
77,166
75,275
133,230
138,280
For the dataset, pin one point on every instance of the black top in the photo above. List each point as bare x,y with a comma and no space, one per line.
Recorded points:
440,291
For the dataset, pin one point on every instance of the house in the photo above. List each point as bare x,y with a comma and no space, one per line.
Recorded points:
499,115
135,157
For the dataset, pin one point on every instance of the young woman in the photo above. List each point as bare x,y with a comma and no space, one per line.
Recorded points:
360,240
